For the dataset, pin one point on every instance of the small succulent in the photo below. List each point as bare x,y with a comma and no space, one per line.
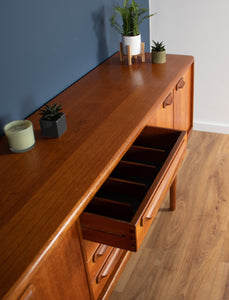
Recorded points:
158,46
51,112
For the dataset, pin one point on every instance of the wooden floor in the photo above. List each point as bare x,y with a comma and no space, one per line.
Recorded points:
186,253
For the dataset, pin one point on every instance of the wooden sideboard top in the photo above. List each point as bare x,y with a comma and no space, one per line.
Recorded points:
44,191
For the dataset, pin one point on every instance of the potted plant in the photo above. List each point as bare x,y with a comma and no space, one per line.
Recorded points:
132,16
158,53
53,122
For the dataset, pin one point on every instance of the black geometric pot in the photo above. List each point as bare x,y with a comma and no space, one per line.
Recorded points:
53,129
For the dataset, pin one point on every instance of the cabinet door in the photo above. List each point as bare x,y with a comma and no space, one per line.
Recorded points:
183,102
163,116
62,274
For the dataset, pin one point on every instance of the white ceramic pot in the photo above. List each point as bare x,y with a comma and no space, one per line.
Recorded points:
134,42
20,135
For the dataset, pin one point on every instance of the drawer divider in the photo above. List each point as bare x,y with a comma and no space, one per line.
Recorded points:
135,172
134,163
116,189
142,185
145,155
110,208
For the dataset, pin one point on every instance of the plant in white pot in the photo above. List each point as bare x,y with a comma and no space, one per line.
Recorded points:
158,53
53,122
132,16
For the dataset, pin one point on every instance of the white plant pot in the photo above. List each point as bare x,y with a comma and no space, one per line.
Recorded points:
134,42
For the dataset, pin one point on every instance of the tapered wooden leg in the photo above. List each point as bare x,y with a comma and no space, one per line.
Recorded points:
129,55
143,52
173,190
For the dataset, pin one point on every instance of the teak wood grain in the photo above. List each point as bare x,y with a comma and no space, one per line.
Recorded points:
44,191
61,275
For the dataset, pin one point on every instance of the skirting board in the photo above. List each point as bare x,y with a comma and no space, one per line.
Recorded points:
211,127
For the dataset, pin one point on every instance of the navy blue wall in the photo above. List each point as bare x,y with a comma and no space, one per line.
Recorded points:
46,45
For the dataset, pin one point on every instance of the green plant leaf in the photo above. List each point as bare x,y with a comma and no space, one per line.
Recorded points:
132,16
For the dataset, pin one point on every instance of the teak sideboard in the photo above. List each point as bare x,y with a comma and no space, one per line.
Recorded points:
73,208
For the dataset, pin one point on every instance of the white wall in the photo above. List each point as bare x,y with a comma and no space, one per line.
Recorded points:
199,28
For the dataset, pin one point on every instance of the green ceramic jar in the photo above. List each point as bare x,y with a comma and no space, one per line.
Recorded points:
158,57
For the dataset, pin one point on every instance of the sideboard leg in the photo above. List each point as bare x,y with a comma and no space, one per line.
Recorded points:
173,190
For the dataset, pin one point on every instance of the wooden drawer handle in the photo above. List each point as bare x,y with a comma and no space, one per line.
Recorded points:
168,101
101,250
152,209
180,84
28,294
109,265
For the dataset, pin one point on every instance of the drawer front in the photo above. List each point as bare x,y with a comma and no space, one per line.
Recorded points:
105,271
98,258
123,209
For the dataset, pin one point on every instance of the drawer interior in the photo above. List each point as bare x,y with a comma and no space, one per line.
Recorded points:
122,193
124,207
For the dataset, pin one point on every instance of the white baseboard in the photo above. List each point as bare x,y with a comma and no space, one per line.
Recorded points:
211,127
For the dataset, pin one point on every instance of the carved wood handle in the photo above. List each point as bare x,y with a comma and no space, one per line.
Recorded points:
168,100
151,211
109,265
99,252
28,294
180,84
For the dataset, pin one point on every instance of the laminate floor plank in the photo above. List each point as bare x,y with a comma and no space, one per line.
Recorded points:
185,255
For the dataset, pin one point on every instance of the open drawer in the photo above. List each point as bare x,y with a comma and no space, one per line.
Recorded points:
124,207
